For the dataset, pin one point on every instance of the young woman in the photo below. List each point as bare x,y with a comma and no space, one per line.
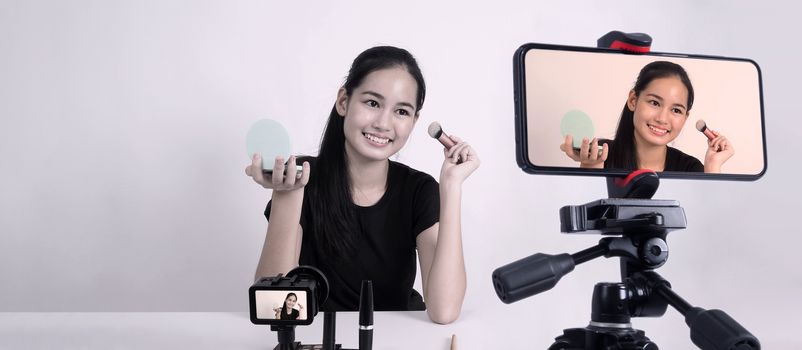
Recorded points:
356,215
288,311
653,116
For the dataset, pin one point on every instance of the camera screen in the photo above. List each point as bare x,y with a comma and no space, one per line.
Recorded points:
281,305
585,93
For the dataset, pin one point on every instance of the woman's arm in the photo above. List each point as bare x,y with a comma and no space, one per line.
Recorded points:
282,244
440,246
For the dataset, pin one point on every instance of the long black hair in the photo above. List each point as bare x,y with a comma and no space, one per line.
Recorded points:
622,153
329,192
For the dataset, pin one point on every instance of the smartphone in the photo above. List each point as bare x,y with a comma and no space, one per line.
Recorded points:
299,170
582,91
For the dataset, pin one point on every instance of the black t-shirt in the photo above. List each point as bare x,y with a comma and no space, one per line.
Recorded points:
676,160
292,315
385,252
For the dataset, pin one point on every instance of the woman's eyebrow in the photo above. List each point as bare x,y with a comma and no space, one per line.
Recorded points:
374,94
655,96
406,104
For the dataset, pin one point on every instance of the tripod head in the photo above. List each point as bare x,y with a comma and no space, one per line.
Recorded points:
626,217
640,226
635,231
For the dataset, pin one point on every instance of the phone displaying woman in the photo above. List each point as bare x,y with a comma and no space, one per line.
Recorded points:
653,116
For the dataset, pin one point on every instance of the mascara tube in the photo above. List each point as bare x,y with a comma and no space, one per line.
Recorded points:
366,316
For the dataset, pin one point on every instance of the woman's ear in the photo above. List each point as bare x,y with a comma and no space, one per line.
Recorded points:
632,100
342,102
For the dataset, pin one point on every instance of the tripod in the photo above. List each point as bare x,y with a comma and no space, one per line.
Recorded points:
637,230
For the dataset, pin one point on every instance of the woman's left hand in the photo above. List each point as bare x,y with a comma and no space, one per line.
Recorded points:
460,161
719,150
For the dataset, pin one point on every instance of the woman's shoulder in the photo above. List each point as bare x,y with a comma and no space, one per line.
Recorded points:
677,160
400,171
416,190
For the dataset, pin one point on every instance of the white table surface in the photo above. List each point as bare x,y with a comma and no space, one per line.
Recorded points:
210,330
233,330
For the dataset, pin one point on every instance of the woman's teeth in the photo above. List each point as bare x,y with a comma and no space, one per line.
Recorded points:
377,139
657,130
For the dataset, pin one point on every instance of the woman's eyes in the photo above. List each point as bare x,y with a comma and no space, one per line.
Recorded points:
400,111
673,110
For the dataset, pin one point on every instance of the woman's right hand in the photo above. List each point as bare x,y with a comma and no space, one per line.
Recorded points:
585,157
278,182
719,150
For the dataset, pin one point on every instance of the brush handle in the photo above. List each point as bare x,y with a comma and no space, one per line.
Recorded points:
446,141
709,133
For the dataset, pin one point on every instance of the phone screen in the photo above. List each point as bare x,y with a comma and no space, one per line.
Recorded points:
583,92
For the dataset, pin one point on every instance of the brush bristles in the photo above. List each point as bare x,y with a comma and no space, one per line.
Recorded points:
701,125
435,130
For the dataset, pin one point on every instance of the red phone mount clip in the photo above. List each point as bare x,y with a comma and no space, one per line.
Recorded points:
629,42
640,184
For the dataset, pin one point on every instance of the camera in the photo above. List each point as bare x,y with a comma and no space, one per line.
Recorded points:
288,300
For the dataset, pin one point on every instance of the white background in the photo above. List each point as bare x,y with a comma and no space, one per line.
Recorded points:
122,149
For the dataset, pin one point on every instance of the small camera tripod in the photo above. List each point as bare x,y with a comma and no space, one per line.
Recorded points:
637,230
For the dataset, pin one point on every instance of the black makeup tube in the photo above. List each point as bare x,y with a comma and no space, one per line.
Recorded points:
366,316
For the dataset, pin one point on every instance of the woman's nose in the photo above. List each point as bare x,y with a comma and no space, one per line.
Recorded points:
663,115
382,120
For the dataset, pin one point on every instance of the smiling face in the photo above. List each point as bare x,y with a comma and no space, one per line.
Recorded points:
660,111
290,302
379,114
